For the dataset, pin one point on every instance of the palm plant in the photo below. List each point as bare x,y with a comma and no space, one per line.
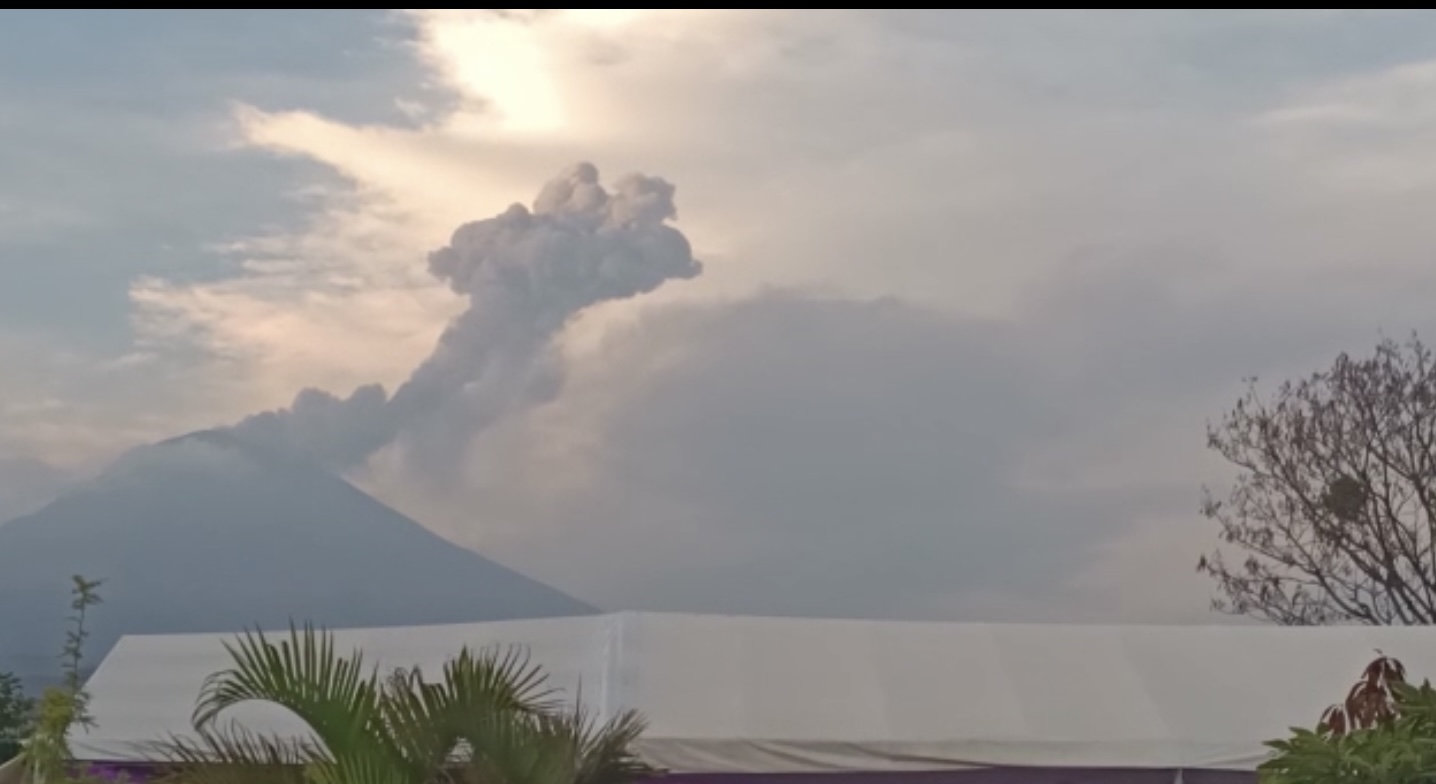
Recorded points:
490,719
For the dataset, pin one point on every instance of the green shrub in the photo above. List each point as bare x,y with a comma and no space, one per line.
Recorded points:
16,713
1383,733
47,750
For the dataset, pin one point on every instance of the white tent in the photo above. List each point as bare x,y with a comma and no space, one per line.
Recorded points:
748,695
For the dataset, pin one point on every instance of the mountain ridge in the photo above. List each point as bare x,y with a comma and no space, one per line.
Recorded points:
208,532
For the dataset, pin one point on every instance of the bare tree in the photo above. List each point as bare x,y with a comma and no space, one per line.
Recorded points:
1335,500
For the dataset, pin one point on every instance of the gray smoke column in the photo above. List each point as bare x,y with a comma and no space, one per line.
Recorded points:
526,273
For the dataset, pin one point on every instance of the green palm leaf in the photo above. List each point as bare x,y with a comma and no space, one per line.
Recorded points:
233,755
555,747
521,750
605,751
337,696
428,720
490,719
330,693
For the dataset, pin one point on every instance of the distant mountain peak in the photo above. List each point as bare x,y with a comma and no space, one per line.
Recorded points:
214,455
227,440
208,532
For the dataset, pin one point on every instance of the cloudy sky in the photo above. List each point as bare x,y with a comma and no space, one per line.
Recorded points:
973,282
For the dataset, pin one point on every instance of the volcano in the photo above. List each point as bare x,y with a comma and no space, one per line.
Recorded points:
211,533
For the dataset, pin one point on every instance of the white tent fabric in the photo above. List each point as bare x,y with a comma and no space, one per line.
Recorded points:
770,695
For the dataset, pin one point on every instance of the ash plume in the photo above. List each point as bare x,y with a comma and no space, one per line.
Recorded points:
526,273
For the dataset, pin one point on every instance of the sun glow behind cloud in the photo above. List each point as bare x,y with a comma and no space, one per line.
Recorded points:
511,66
498,62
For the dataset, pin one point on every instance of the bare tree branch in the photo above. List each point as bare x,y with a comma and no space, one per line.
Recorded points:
1334,503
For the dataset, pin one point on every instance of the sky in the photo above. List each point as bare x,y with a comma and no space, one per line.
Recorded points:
973,282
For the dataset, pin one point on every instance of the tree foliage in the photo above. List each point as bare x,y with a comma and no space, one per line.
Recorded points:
489,717
1383,733
16,714
1335,499
47,750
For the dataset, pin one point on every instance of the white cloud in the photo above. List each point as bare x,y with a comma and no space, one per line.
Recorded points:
343,303
63,409
1365,136
868,147
1140,232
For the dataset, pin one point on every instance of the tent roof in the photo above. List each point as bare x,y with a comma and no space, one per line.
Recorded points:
743,694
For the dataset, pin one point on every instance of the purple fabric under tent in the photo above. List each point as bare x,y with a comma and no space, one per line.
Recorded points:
1002,775
139,773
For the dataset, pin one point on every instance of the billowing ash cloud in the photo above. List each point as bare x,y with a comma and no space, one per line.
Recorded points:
526,273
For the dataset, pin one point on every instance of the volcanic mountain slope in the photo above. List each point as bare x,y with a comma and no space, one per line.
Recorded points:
207,532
